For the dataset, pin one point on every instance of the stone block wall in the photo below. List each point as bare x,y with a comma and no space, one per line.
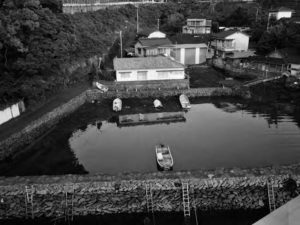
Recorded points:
128,196
33,130
193,92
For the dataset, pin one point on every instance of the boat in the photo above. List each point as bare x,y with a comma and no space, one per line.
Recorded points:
117,105
164,157
101,87
184,101
157,104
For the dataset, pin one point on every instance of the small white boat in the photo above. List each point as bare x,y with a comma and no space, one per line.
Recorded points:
164,157
117,105
184,101
101,87
157,104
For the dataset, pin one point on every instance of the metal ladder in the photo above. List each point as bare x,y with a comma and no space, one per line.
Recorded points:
69,203
186,200
271,196
149,197
29,202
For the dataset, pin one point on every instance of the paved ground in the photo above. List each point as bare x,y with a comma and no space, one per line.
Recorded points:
30,115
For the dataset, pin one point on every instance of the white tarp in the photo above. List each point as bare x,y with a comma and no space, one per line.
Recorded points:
15,110
160,156
5,115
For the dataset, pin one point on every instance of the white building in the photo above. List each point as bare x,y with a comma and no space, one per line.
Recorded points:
157,34
229,41
190,54
281,12
147,69
197,26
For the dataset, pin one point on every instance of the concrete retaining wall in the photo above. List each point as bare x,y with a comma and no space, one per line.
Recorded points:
127,196
12,144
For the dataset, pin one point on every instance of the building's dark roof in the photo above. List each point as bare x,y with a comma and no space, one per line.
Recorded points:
154,42
225,34
281,9
190,38
159,62
289,55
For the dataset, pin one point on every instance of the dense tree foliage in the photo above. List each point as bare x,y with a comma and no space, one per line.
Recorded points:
284,34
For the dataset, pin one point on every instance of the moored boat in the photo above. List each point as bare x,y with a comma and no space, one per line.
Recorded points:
157,104
117,105
101,87
184,101
164,157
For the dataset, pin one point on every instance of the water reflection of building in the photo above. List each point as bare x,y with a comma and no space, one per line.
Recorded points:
150,118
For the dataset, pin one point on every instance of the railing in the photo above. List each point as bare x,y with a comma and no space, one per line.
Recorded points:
73,6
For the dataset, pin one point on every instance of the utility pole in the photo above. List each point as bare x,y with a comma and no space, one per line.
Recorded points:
137,19
256,14
158,20
121,45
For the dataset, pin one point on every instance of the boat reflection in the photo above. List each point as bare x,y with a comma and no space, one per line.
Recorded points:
150,118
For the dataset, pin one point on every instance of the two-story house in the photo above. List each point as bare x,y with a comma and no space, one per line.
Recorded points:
197,26
227,42
291,57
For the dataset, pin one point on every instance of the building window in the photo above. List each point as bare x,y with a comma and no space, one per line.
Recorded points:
142,75
125,75
163,75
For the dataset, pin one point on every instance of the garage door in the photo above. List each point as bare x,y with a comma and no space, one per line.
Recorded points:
190,54
202,55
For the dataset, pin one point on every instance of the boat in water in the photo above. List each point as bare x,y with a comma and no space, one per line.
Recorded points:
101,87
184,101
164,157
117,105
157,104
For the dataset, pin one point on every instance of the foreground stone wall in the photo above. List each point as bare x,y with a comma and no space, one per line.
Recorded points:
127,196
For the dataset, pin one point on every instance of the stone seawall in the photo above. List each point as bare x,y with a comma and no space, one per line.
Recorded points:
26,136
128,196
193,92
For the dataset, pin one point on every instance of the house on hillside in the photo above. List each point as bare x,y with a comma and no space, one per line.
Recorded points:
291,57
281,12
189,49
142,70
227,42
152,47
197,26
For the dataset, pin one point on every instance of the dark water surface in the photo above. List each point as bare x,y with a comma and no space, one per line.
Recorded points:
203,218
214,133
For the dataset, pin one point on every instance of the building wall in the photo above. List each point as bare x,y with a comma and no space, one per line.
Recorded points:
152,74
295,70
241,41
283,15
199,54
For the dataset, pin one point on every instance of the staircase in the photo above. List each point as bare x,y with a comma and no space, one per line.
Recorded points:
186,200
271,196
149,197
69,203
29,202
